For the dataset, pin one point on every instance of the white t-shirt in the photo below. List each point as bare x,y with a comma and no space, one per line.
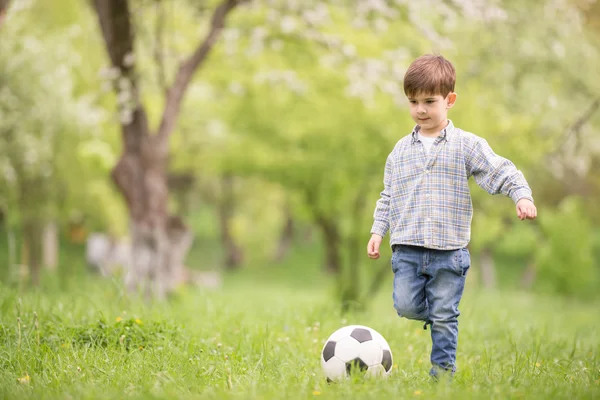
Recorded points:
427,142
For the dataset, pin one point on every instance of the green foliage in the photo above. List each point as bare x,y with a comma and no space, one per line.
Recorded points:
565,258
520,240
53,148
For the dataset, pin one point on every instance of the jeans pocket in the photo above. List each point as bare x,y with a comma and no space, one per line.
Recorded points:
462,261
395,256
465,259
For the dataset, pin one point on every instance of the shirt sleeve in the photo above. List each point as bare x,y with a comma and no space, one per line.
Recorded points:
493,173
381,215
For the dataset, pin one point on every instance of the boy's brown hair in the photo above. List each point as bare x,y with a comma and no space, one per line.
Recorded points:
429,74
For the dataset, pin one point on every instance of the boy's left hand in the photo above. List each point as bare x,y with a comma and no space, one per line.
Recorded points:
526,209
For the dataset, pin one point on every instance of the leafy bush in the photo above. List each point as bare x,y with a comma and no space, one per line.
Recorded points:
565,259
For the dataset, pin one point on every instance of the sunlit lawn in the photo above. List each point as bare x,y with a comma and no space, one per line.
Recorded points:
260,337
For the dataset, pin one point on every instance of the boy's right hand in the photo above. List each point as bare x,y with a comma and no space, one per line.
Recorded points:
373,246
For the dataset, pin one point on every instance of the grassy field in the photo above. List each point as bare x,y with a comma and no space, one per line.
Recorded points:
260,338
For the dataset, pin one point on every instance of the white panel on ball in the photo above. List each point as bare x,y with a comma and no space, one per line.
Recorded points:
347,349
335,369
376,371
341,333
377,337
370,352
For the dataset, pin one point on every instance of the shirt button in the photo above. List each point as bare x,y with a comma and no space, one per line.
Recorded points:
428,220
428,195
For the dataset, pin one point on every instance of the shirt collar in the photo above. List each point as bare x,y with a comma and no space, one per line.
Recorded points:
445,134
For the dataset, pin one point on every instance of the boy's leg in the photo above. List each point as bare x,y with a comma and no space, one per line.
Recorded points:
409,282
447,271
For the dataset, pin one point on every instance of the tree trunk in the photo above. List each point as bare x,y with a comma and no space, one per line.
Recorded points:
332,238
159,241
234,254
12,254
50,246
350,279
33,248
529,275
351,295
333,245
23,267
307,234
30,191
157,256
286,238
488,269
142,181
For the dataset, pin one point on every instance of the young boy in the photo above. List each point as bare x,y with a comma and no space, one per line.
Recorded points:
426,206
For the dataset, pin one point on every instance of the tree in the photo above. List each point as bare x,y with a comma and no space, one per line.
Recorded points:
140,174
43,126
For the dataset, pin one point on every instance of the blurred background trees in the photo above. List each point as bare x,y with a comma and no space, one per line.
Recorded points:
275,131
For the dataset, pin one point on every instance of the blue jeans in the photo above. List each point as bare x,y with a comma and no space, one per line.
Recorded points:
428,286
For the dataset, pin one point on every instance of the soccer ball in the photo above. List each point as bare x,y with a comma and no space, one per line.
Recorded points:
356,348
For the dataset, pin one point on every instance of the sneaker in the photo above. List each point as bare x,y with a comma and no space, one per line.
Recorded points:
439,374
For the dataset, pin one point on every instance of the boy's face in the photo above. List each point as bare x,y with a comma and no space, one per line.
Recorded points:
430,112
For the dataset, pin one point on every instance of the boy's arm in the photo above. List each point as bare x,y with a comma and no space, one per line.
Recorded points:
381,214
493,173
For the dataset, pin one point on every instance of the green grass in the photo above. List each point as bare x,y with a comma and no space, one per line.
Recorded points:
261,338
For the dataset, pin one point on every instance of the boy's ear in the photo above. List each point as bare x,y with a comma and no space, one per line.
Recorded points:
451,99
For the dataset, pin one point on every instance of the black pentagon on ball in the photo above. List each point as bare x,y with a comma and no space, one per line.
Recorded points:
361,335
328,351
386,361
356,364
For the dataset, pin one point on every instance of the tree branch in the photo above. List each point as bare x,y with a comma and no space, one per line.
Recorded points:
113,16
3,9
574,129
159,46
117,31
188,68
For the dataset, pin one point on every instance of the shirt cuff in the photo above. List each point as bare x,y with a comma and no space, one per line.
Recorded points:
523,193
380,228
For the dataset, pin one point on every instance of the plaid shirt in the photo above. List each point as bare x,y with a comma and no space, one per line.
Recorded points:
426,200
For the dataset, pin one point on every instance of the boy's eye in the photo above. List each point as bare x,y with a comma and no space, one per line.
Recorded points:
430,101
413,101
